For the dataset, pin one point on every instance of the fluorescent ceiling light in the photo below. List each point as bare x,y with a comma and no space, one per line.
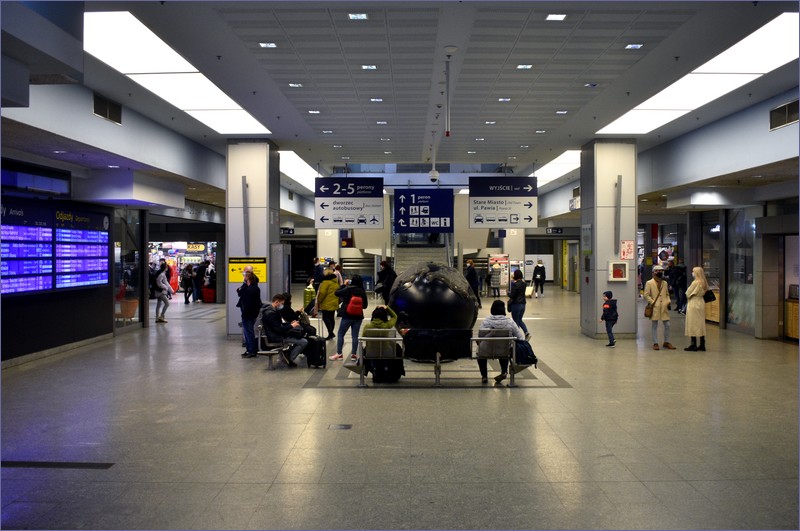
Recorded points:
327,132
381,122
471,152
376,100
590,85
124,43
336,146
357,16
769,47
540,131
556,17
524,147
504,100
641,122
267,44
561,165
634,46
387,152
313,112
295,85
695,90
561,112
229,122
524,67
369,67
118,39
479,139
297,169
186,91
345,158
490,123
385,139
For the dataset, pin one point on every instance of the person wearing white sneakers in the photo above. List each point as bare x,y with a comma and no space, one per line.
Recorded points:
163,293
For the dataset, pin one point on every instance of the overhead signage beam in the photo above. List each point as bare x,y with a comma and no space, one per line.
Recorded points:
348,203
503,202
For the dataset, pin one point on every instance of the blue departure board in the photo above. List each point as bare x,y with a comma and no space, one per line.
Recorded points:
51,248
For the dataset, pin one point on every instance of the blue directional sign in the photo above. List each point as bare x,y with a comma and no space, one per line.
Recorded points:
348,203
503,202
421,210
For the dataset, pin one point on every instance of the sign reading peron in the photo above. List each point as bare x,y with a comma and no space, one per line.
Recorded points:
348,203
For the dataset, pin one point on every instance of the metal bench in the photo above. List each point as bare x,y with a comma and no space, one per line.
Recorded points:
268,349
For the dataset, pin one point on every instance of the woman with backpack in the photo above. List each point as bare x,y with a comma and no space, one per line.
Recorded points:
186,282
354,302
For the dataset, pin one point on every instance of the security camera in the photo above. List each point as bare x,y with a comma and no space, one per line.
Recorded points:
434,175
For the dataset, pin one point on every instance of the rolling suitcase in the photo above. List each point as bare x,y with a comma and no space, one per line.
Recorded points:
316,352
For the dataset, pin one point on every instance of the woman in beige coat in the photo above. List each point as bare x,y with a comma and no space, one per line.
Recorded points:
652,288
696,310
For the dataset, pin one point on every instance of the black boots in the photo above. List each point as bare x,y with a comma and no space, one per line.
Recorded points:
693,346
702,346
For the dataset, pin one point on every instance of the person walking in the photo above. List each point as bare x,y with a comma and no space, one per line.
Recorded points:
163,293
610,316
250,305
472,279
696,310
186,282
656,292
386,278
517,302
498,320
352,313
539,276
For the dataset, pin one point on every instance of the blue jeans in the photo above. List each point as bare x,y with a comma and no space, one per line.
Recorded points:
609,326
344,324
248,329
300,345
517,310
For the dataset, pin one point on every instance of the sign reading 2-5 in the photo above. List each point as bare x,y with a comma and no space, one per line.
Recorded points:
348,202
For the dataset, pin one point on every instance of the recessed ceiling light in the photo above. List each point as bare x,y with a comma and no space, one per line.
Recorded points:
369,67
504,100
490,123
357,16
524,67
471,152
268,44
327,132
540,131
345,158
554,16
59,151
590,85
524,147
387,152
385,139
296,85
381,122
479,139
512,158
337,146
376,100
561,112
313,112
634,46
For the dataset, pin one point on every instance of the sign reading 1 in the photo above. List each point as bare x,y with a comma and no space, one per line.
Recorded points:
423,210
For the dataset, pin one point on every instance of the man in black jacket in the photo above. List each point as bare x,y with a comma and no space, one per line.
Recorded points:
250,304
278,331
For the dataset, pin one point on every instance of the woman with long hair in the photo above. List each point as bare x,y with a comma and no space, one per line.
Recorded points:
696,310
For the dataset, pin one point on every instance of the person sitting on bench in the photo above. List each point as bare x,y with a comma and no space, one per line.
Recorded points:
278,331
498,320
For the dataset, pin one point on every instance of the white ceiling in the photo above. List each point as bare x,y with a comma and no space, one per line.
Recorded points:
318,46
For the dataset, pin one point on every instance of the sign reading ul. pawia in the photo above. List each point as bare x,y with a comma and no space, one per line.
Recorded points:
348,203
503,202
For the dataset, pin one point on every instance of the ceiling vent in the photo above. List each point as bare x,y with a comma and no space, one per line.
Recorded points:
784,115
105,108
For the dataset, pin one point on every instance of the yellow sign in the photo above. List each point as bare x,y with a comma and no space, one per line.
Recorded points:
236,267
195,247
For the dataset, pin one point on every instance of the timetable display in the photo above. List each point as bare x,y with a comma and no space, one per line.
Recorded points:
46,249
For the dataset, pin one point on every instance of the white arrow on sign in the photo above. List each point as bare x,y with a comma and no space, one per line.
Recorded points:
402,210
402,199
402,223
529,188
323,188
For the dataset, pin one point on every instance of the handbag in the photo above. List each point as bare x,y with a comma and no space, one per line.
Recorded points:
709,296
524,353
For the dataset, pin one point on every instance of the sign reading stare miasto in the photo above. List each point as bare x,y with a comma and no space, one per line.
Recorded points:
348,203
503,202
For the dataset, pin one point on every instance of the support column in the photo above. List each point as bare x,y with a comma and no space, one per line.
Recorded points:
514,246
252,215
608,217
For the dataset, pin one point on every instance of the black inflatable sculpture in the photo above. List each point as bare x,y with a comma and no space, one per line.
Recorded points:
439,309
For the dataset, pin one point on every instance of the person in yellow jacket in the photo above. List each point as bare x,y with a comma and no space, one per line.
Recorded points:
327,302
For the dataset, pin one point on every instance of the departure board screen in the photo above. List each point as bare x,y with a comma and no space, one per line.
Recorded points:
52,248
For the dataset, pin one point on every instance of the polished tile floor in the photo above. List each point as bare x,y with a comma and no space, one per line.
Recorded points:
195,437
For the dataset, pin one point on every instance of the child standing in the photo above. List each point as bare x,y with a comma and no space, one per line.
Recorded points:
610,316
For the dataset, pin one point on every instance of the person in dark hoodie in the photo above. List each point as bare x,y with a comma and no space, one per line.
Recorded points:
352,313
610,316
